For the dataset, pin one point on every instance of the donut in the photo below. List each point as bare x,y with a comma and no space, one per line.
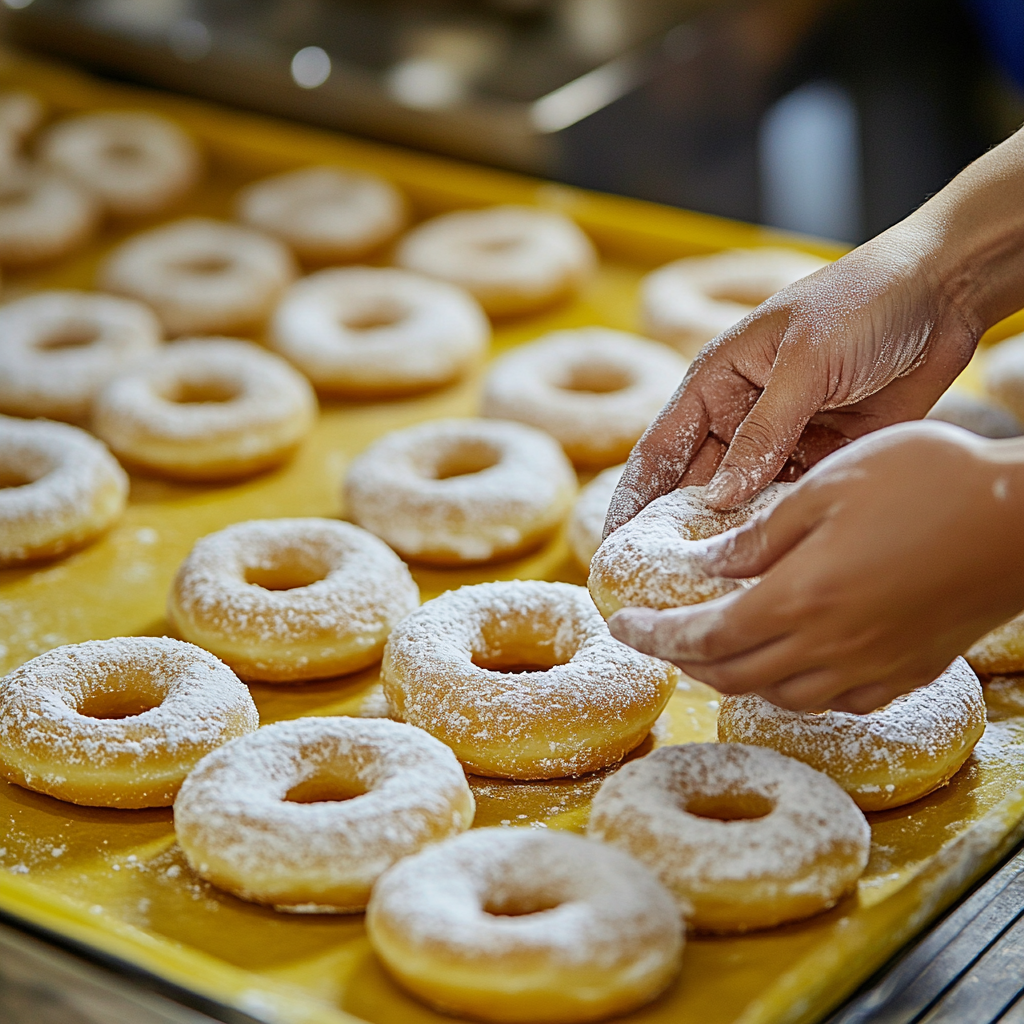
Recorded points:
459,492
690,301
649,563
367,332
586,524
206,409
913,745
20,114
201,276
1003,374
58,348
514,259
1004,695
523,680
975,414
285,600
43,216
743,836
593,389
324,214
135,162
118,723
509,924
306,815
1000,651
59,489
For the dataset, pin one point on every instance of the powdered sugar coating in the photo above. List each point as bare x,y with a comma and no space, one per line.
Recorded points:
909,747
347,589
380,790
446,670
690,301
586,525
201,275
51,743
63,489
324,213
364,331
514,259
58,348
461,490
743,836
499,920
593,389
654,560
206,408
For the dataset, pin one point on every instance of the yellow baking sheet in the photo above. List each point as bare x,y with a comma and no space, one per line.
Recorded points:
115,879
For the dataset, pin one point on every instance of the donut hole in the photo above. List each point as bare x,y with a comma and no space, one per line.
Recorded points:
499,245
519,647
597,378
465,459
124,153
124,702
374,316
746,293
15,478
202,392
729,806
209,265
14,195
287,570
70,335
326,787
519,904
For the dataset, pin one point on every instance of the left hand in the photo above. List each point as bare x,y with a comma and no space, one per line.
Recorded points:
878,568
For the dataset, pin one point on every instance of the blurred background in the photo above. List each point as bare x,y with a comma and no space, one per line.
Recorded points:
831,117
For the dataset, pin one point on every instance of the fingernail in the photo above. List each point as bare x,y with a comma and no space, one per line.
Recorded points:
723,486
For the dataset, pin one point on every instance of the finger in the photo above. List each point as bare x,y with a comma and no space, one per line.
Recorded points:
862,700
815,443
767,436
705,462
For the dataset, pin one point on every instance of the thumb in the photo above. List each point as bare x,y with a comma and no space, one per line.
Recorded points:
753,548
765,439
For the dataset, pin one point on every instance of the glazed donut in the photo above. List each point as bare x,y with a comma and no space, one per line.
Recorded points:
1003,374
206,409
593,389
976,415
690,301
118,723
649,563
43,216
523,680
285,600
504,924
59,489
744,837
57,349
136,162
514,259
899,753
324,214
364,332
306,815
1000,651
201,276
459,492
586,524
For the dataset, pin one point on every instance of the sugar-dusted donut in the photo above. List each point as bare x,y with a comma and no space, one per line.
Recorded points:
58,348
649,563
514,259
586,524
43,216
691,301
1003,374
593,389
59,489
1000,651
744,837
201,276
20,114
206,409
284,600
378,332
136,162
453,492
509,924
523,680
305,815
978,415
913,745
324,214
118,723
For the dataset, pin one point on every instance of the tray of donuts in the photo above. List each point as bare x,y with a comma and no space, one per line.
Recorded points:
305,449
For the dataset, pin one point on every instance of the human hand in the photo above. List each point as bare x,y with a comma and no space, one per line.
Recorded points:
877,569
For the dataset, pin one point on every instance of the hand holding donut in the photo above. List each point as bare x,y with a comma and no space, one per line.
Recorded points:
879,567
